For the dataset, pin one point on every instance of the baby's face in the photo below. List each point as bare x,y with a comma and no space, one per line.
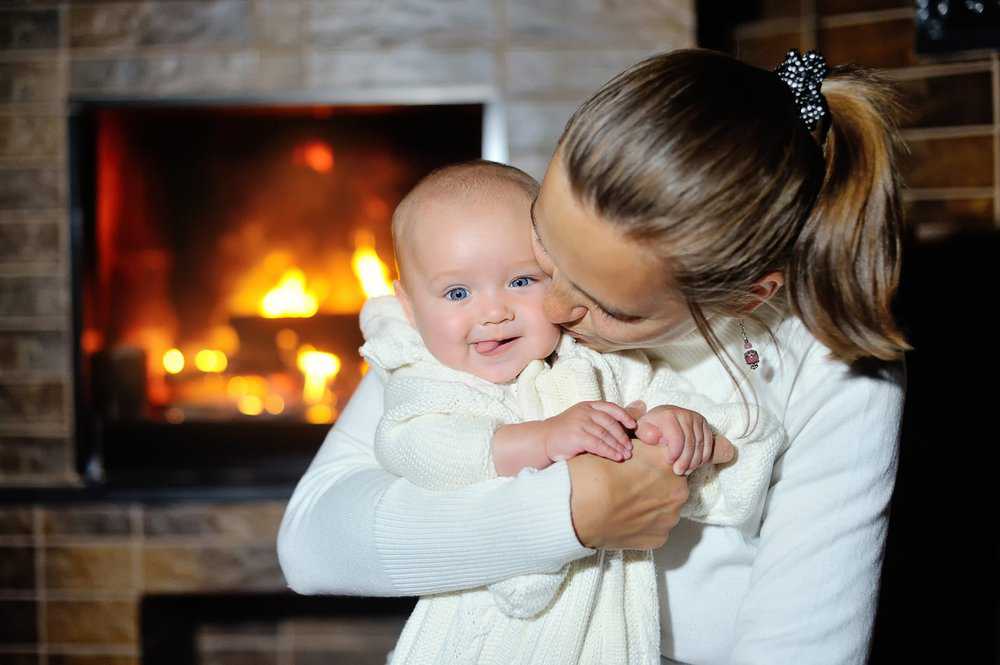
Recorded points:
472,287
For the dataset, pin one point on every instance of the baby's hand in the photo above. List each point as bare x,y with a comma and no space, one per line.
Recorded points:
687,436
592,427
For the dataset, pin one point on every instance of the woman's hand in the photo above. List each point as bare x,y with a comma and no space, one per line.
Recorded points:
625,505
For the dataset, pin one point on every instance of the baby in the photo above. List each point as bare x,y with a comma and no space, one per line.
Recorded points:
467,355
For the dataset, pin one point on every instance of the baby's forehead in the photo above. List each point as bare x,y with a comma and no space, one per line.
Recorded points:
434,209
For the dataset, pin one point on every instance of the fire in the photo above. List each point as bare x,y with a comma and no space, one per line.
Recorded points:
319,414
211,360
289,298
173,361
371,272
319,368
250,405
317,155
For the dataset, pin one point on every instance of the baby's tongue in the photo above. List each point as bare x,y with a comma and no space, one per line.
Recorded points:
487,346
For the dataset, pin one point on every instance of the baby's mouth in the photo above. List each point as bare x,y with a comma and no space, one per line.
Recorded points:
492,345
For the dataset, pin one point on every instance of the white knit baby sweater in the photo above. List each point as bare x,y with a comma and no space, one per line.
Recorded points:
577,614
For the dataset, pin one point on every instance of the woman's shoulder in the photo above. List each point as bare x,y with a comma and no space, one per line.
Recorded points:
813,378
804,355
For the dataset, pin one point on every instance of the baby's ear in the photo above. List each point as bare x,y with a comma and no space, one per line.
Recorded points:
404,300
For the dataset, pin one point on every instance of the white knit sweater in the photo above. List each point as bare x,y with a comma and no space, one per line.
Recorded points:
599,609
796,583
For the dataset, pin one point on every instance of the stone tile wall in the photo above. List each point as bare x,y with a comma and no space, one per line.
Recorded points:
72,576
952,132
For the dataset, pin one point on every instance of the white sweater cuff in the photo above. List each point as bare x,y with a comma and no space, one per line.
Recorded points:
432,542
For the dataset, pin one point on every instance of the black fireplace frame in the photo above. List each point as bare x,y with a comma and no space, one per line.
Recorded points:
149,459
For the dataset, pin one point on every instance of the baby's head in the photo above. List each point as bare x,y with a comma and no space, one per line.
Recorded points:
469,282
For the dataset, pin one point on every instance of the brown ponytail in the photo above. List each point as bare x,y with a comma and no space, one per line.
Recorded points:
705,157
844,269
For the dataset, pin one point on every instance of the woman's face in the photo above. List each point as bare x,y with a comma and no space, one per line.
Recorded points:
608,291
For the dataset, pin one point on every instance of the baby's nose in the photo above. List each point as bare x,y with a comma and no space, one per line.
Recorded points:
497,311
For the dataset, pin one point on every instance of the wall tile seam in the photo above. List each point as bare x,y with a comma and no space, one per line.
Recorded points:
916,72
32,377
43,431
55,162
767,28
946,193
86,649
34,56
160,543
14,596
865,17
936,230
136,544
55,157
32,269
33,109
947,132
38,531
12,219
52,113
82,55
994,63
930,59
68,542
73,595
777,27
28,7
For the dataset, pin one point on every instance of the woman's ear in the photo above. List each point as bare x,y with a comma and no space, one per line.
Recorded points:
404,300
763,289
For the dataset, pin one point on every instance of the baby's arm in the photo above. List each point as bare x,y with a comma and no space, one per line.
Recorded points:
719,493
595,427
688,437
423,449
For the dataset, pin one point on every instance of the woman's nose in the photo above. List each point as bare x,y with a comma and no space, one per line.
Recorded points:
560,307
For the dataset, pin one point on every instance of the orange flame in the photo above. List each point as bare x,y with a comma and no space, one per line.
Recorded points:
289,298
319,368
371,272
317,155
173,361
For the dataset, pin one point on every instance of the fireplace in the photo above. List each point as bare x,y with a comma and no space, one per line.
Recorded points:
221,253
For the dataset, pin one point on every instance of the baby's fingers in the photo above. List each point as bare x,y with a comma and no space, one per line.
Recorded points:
600,443
616,440
616,412
673,437
610,425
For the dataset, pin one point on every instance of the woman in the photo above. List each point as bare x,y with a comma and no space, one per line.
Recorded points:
694,204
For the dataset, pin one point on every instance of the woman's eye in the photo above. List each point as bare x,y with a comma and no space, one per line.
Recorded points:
521,282
615,317
457,293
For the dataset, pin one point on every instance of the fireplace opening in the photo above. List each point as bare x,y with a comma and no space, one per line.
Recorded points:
221,254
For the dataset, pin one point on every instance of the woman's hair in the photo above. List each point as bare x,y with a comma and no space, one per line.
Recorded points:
706,157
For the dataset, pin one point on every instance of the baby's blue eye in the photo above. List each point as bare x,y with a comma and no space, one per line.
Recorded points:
521,282
457,293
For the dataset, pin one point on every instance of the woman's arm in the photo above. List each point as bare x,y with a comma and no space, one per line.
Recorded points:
353,528
814,582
